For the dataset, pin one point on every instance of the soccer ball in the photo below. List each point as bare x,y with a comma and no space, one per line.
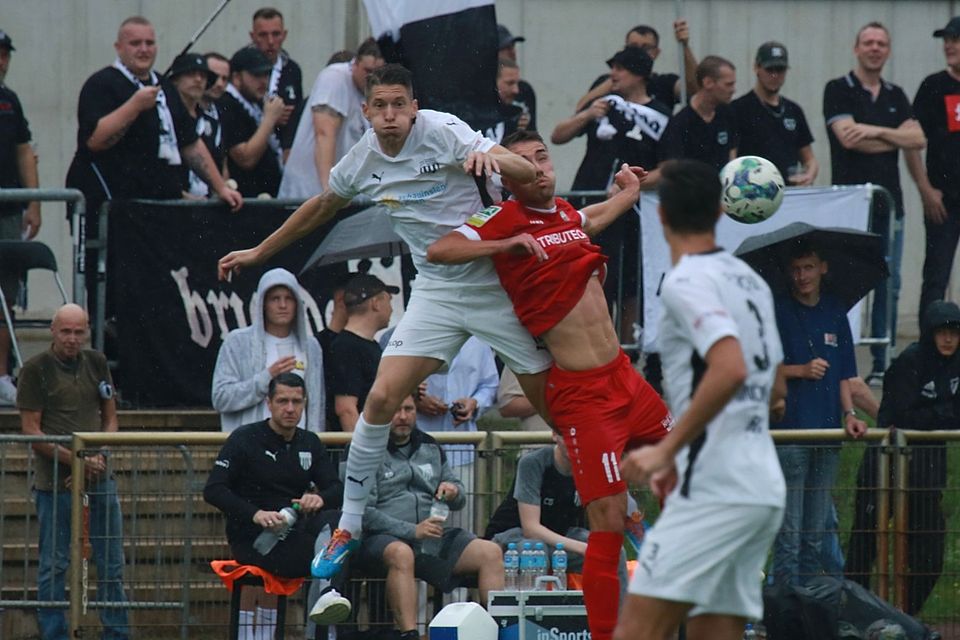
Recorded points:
752,189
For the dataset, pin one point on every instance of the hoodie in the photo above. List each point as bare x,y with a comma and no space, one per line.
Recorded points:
242,374
920,389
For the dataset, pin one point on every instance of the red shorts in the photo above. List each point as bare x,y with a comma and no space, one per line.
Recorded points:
600,413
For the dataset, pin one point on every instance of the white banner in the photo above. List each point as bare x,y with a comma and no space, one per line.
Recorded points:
819,206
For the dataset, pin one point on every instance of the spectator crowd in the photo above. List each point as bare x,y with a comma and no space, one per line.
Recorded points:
240,126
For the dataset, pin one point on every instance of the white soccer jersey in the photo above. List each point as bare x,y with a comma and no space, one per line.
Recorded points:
707,297
425,190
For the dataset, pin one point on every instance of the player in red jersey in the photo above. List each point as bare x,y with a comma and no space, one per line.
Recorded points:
540,245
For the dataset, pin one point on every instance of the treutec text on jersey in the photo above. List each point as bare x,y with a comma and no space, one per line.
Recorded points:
424,189
707,297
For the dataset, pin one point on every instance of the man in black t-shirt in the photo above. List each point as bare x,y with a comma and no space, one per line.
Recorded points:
133,137
354,353
286,80
18,169
211,131
868,121
191,77
771,126
664,87
525,98
248,121
704,130
937,108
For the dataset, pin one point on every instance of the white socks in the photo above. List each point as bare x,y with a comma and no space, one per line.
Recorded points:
367,451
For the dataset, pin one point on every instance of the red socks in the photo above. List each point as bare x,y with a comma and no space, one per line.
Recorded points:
601,585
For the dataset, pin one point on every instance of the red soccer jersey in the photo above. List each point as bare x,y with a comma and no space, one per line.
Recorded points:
543,293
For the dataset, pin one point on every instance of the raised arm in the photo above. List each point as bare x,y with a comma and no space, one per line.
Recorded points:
602,215
500,160
311,214
456,248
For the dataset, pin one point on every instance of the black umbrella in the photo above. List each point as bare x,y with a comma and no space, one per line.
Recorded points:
367,234
856,259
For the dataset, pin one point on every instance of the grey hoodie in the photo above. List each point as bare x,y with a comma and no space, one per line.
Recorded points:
242,374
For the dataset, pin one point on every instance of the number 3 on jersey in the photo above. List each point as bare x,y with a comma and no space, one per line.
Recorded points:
762,362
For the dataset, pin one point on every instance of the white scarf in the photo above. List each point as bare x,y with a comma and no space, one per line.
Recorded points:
167,149
275,76
256,113
646,120
197,186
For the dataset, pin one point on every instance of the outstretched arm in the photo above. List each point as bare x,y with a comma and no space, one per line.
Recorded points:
456,248
602,215
311,214
500,160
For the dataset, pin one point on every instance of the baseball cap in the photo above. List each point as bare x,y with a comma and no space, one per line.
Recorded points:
187,62
507,39
7,43
363,287
634,59
952,29
772,55
251,60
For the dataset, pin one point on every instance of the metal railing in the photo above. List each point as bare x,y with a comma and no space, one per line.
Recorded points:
171,533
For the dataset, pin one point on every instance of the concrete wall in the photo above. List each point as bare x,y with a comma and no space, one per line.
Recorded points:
60,42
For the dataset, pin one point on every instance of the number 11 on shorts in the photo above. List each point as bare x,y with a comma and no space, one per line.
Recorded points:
611,466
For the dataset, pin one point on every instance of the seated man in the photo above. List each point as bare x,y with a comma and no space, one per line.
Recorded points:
543,506
397,522
266,466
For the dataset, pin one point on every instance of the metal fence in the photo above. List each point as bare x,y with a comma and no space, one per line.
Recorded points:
170,534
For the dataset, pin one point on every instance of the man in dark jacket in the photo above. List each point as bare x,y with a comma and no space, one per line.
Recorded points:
921,390
264,467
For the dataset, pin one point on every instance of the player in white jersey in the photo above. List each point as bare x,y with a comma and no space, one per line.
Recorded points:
721,352
421,165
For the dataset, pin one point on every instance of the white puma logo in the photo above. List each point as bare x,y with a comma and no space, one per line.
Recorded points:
271,454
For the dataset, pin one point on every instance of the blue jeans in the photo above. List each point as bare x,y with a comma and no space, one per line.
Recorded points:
106,538
809,472
831,553
879,326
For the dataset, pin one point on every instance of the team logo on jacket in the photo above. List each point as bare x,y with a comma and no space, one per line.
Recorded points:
830,339
481,217
722,137
426,471
929,390
789,124
429,167
306,460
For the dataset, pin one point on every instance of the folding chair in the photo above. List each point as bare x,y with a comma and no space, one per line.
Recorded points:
19,257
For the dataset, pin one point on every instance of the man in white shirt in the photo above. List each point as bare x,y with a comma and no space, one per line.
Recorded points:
334,125
423,167
721,356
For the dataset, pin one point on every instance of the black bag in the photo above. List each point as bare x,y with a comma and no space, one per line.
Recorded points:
817,609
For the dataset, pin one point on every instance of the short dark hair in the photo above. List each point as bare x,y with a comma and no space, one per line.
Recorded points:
506,63
874,24
215,56
689,193
521,135
369,47
803,248
267,13
288,379
390,74
645,30
710,67
344,55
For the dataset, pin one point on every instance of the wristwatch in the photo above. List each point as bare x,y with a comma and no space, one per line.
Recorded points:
850,412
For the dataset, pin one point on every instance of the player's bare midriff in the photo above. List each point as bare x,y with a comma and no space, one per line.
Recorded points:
584,339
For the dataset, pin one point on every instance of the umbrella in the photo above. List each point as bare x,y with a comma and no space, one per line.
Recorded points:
366,234
856,259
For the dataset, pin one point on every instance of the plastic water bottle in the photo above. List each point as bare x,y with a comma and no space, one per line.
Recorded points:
441,510
540,555
527,567
559,565
749,633
269,538
511,568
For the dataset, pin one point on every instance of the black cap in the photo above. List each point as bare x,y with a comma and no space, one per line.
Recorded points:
187,62
507,39
634,59
7,43
772,55
952,29
251,60
363,287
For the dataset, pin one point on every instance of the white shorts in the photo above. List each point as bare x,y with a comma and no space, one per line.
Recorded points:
708,555
438,321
